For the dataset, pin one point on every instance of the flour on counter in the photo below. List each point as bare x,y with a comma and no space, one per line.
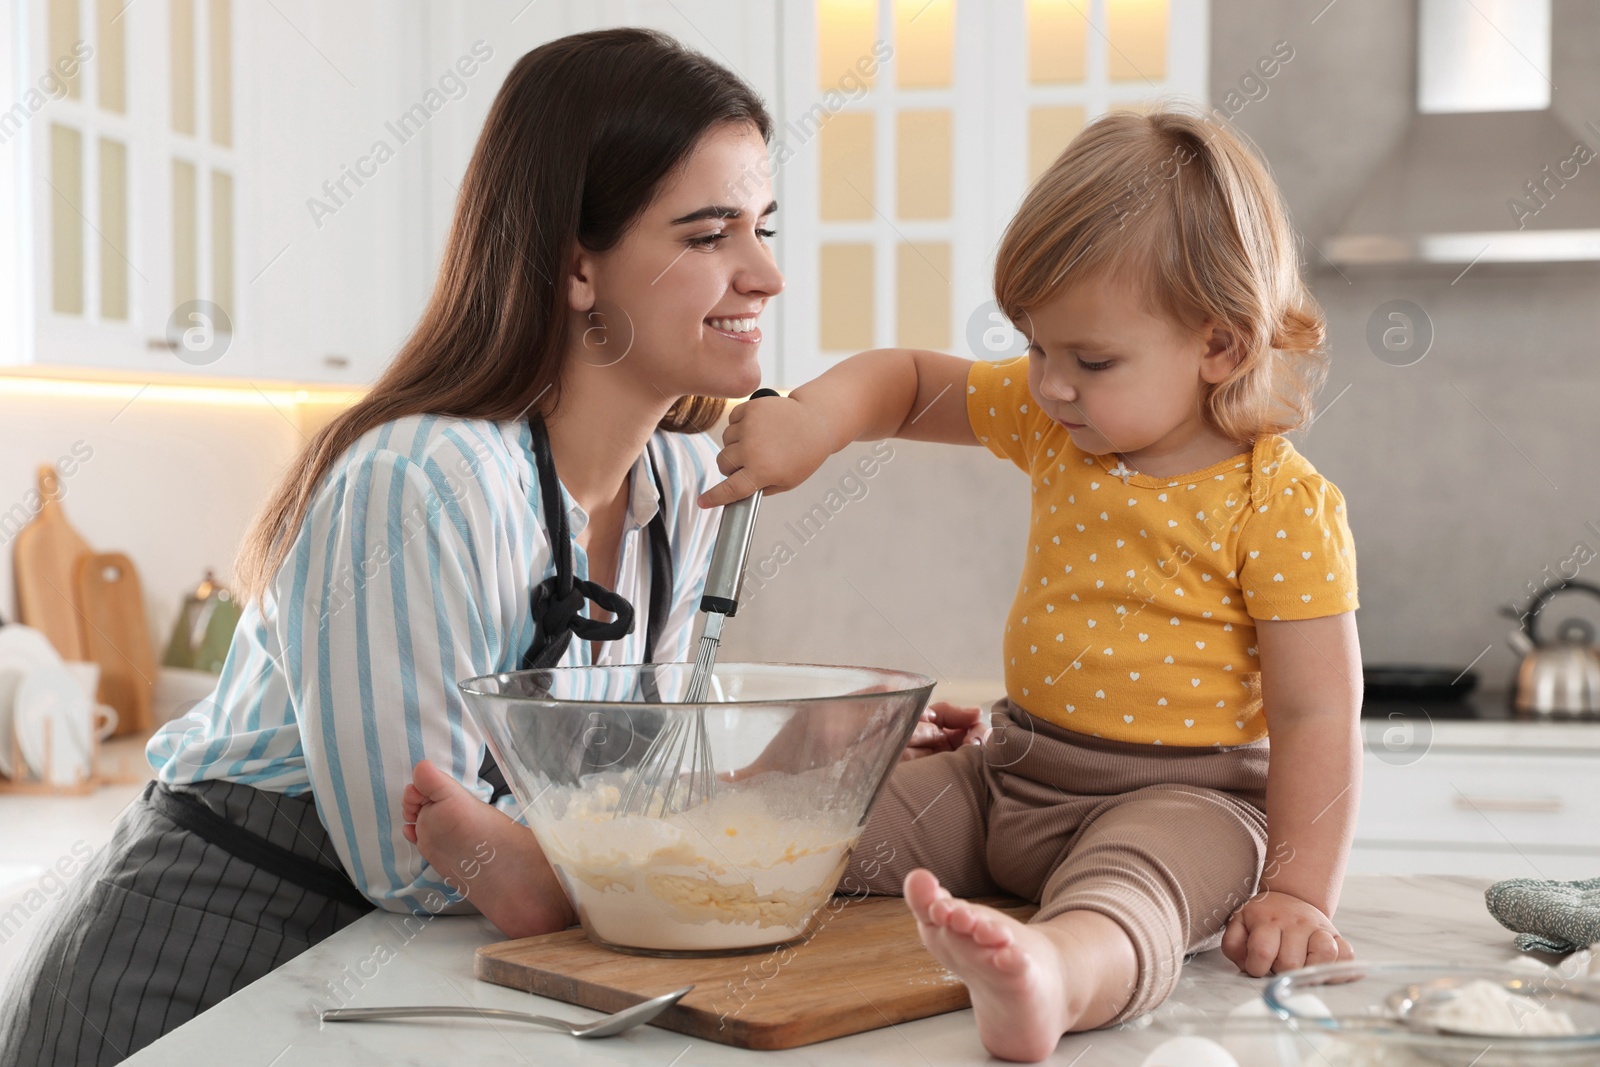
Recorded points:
747,869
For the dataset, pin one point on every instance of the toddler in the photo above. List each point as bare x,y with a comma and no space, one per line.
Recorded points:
1188,586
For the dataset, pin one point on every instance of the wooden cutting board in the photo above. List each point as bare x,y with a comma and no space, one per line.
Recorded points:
45,558
862,969
116,636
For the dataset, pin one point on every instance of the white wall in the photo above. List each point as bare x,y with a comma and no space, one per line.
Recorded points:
171,484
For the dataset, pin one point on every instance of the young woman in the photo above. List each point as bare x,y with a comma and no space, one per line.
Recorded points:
537,446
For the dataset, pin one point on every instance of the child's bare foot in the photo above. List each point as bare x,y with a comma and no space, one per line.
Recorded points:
483,854
1017,972
1019,993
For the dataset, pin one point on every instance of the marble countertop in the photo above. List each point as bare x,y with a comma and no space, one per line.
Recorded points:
378,961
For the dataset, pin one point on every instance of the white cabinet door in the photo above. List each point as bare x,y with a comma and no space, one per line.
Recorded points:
339,130
240,154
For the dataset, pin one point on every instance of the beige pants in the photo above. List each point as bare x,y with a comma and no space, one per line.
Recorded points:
1168,842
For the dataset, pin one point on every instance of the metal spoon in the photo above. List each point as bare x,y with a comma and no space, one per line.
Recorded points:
608,1026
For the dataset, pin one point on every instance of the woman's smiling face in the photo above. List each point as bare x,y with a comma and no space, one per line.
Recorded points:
676,304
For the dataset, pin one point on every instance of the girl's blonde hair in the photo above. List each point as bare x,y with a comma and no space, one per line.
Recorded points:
1180,201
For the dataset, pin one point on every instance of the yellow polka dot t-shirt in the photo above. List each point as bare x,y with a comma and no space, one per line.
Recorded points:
1135,613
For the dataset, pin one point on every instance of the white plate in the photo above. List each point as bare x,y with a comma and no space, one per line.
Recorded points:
51,695
22,648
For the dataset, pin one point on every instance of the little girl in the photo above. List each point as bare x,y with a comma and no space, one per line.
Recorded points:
1188,584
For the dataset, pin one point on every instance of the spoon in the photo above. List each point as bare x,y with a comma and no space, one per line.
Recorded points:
608,1026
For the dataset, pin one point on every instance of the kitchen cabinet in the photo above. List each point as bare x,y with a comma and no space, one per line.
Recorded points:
212,151
1488,799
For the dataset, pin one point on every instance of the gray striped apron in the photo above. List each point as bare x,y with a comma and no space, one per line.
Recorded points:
164,922
204,888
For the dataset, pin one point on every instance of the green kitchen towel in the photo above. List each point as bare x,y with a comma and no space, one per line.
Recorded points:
1548,916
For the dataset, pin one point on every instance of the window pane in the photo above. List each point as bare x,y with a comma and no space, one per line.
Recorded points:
113,229
182,65
222,240
847,293
66,220
1050,129
1137,32
221,56
848,155
185,229
63,35
110,56
1057,37
922,297
924,32
922,164
845,32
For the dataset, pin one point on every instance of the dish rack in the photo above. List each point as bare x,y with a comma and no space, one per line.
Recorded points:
24,781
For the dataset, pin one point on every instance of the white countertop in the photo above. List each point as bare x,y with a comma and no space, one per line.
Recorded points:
1417,919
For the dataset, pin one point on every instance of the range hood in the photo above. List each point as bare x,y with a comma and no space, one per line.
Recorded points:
1485,173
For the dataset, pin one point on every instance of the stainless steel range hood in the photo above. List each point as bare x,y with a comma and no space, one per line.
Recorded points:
1485,173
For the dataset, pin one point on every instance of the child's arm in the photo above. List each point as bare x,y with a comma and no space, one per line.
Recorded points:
1311,692
778,442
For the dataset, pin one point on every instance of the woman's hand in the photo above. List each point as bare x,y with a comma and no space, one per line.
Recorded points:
771,444
945,727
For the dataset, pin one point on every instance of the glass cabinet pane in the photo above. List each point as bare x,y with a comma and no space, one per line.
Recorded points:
846,297
221,60
222,240
922,296
1057,41
1050,129
924,41
110,56
922,164
185,233
848,156
66,220
1137,35
183,66
113,229
845,32
63,31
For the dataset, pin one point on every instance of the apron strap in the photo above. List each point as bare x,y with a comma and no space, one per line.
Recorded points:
557,600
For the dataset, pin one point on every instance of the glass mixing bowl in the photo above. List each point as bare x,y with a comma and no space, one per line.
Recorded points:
799,753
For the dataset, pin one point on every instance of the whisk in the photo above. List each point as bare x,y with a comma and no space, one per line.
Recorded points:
677,772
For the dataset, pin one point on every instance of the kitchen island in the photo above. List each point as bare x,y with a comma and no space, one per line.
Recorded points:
379,960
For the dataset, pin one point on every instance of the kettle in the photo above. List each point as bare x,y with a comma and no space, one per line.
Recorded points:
1559,678
204,629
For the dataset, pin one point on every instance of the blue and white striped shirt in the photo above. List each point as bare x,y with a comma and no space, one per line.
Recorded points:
412,571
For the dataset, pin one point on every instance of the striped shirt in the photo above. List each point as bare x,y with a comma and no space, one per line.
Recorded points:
412,571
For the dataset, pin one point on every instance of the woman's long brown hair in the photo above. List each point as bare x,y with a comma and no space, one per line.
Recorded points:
582,134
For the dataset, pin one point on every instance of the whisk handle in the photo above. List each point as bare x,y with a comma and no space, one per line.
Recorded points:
728,556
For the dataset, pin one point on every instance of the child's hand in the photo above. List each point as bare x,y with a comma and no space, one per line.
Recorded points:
945,727
771,444
1277,932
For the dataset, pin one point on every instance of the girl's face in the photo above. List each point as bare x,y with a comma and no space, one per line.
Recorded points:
1119,375
674,309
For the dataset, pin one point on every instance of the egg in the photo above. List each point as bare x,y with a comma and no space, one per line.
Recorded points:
1189,1052
1255,1041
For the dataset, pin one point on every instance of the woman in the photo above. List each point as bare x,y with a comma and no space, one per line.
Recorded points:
538,442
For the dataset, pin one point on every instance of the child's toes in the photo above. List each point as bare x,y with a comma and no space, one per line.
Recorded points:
921,890
963,919
990,932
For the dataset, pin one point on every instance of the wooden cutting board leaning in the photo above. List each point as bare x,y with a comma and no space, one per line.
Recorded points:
862,968
45,556
116,636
